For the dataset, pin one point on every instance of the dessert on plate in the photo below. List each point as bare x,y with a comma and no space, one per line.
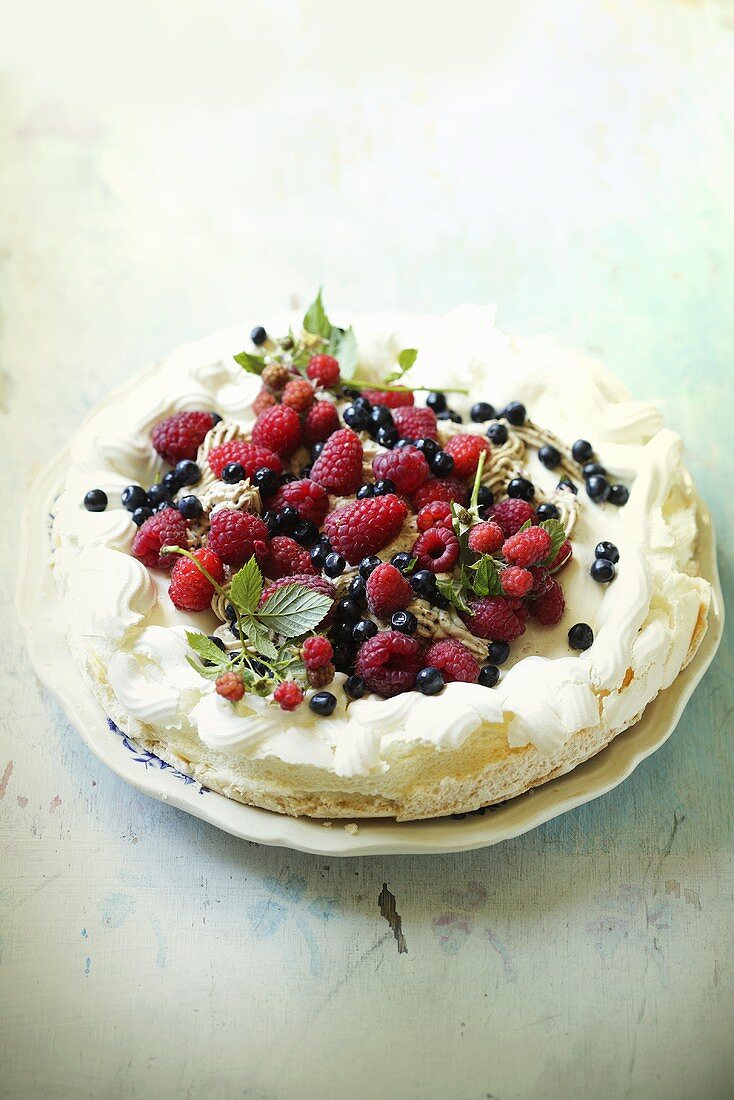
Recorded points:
406,568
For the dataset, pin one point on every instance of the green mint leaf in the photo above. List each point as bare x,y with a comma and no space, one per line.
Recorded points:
293,610
259,638
344,348
208,673
526,524
557,533
486,580
315,321
205,648
246,587
253,364
452,590
407,358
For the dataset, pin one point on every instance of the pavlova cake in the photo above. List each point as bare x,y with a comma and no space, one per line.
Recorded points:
407,568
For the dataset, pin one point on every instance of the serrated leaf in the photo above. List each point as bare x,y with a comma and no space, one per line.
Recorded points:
344,348
315,320
486,580
208,673
246,587
206,648
526,524
293,610
452,592
557,533
253,364
258,636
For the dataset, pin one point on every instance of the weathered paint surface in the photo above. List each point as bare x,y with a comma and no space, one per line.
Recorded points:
167,170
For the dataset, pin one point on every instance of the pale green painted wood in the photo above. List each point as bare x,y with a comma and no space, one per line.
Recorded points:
164,172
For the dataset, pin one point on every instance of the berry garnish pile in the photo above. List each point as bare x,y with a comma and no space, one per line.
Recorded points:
356,529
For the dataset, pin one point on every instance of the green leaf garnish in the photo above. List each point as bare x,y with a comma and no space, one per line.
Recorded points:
205,648
486,580
406,359
344,348
258,636
453,591
315,320
253,364
294,609
246,587
557,533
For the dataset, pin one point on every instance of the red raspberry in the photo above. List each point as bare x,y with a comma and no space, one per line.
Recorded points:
465,451
527,547
392,399
436,549
486,538
318,584
364,527
235,536
306,496
250,457
389,662
288,695
322,420
406,467
316,652
548,609
541,580
286,558
446,489
414,423
437,514
229,685
499,618
453,659
166,528
339,466
279,429
264,400
323,370
181,435
511,514
387,591
516,581
299,395
189,589
562,558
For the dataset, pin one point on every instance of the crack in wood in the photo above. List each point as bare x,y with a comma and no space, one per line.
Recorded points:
388,910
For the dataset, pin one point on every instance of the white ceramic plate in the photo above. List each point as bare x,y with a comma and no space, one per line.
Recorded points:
40,615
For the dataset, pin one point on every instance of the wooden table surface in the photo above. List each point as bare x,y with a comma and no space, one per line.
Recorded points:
169,169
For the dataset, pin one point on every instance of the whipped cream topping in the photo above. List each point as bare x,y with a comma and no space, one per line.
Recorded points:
128,633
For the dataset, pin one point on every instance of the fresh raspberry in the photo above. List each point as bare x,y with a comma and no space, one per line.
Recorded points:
406,467
511,514
486,538
541,580
286,558
279,429
180,435
389,662
446,489
318,584
316,652
189,589
465,451
320,677
436,549
415,423
387,591
288,695
516,581
264,400
527,547
235,536
299,395
250,457
339,466
323,370
309,498
322,420
166,528
498,618
562,558
360,529
453,659
392,399
436,514
548,609
276,377
229,685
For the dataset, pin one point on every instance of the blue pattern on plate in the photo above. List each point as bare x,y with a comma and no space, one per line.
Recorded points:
150,760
